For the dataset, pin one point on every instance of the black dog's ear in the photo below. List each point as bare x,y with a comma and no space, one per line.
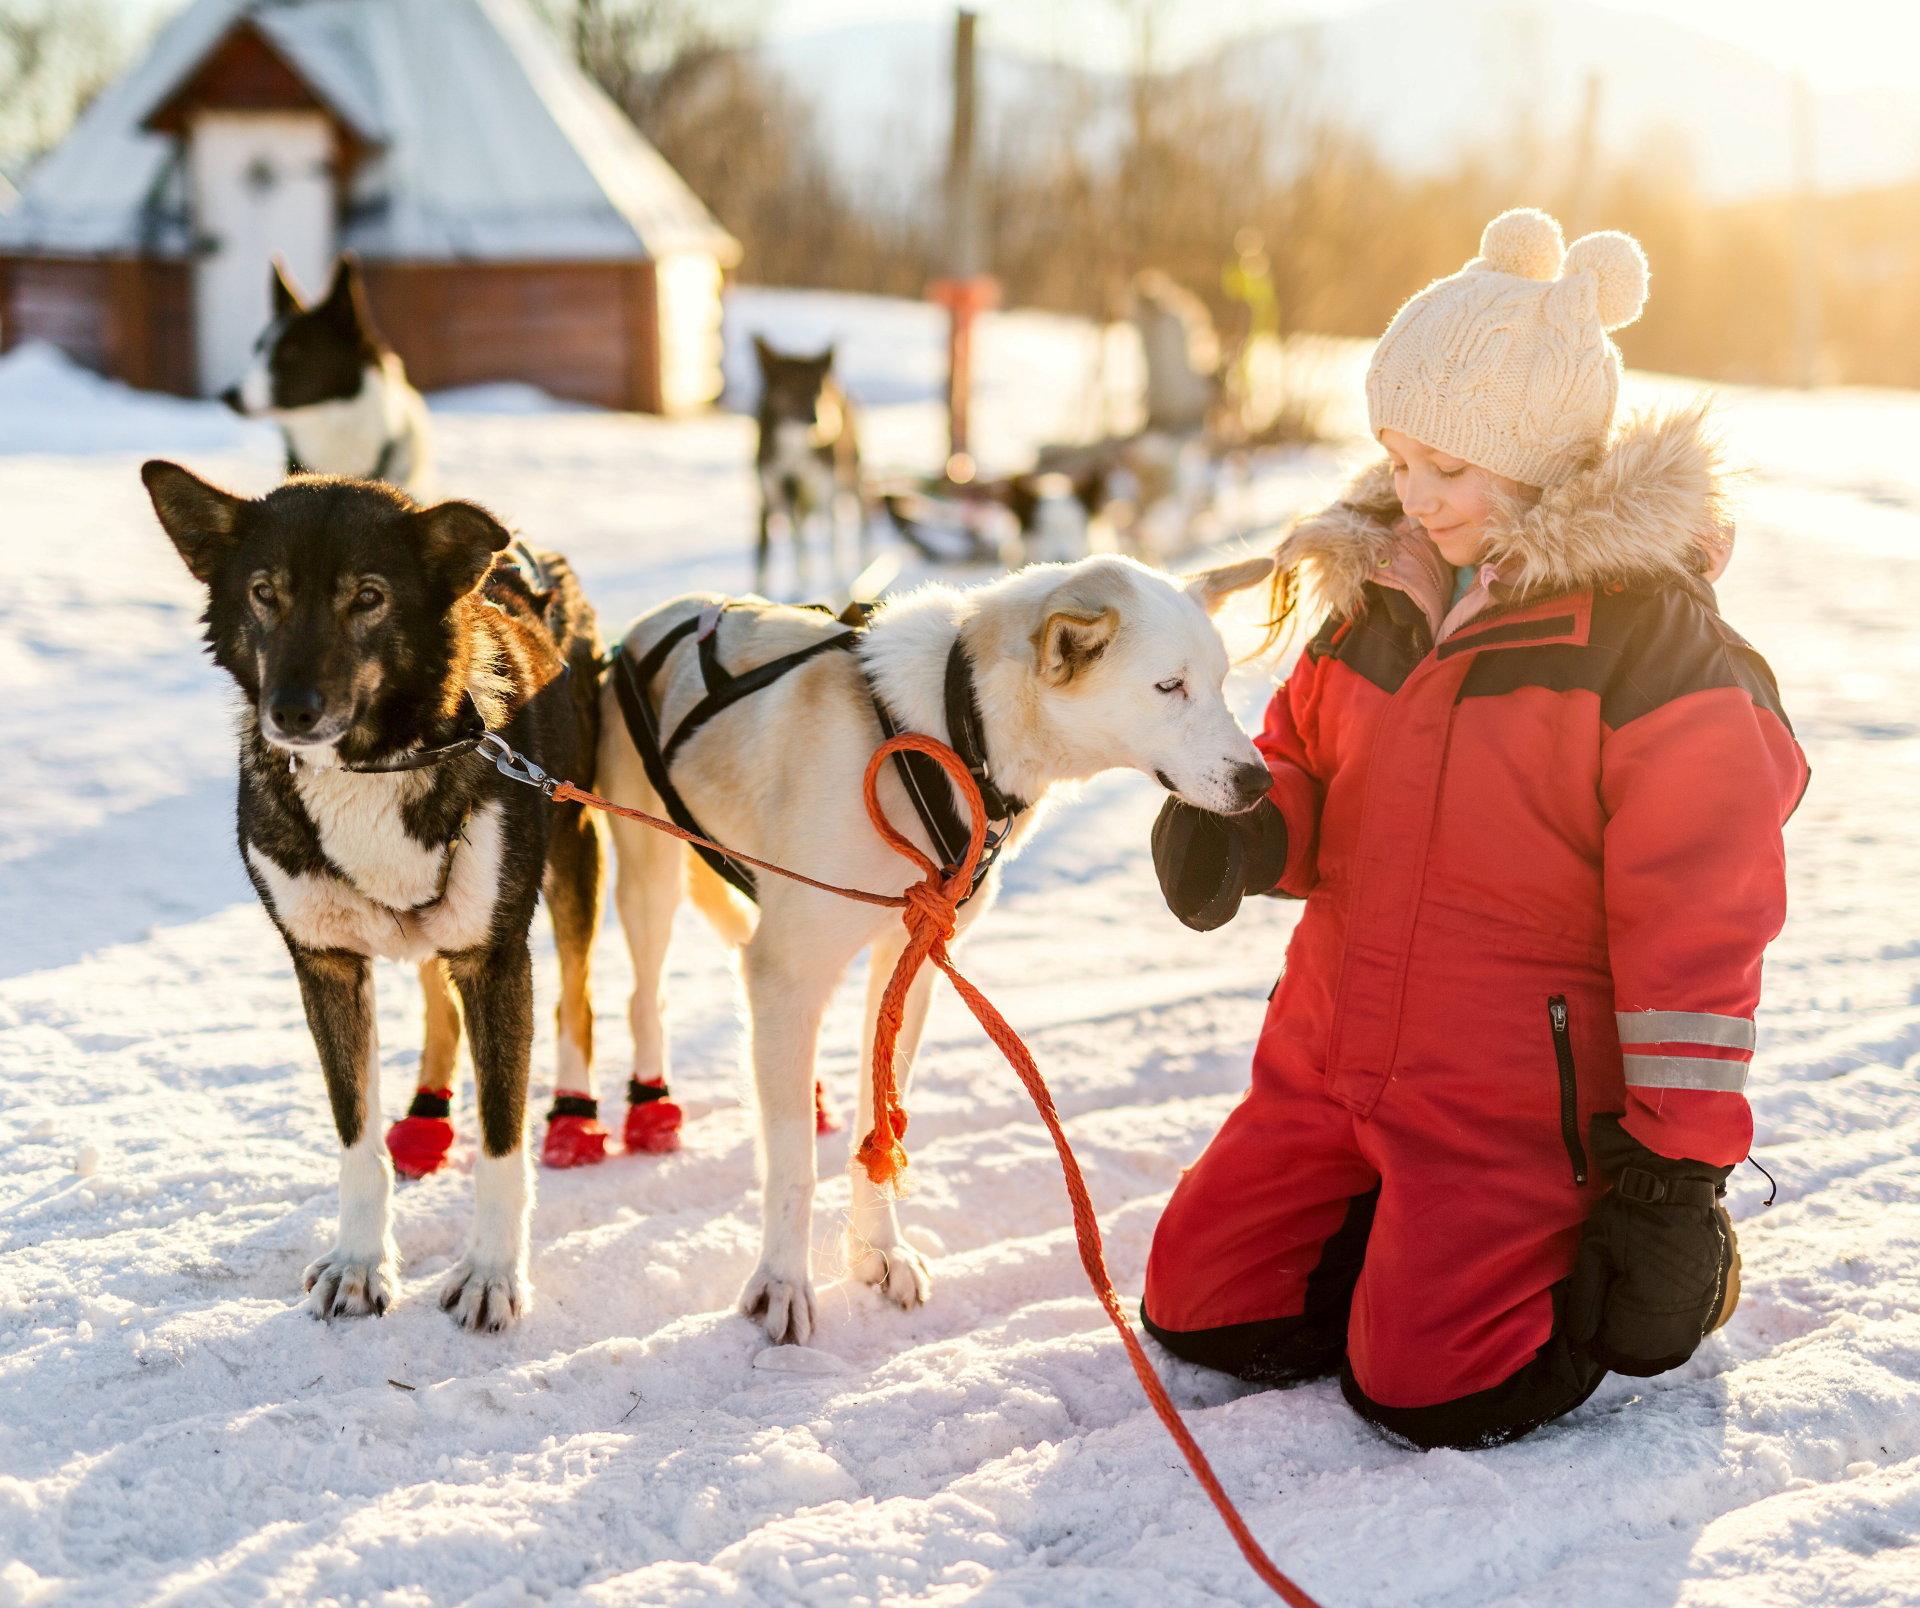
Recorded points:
766,354
200,518
825,359
346,305
286,295
458,540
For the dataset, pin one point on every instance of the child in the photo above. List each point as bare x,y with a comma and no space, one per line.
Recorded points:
1531,787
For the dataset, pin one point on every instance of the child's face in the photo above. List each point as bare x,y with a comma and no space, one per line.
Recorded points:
1451,498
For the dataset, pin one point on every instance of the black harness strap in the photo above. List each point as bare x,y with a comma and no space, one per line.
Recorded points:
725,690
630,682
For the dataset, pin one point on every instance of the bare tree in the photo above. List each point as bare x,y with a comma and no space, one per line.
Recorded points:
55,56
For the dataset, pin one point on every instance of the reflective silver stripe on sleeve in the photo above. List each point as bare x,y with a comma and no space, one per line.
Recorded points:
1686,1027
1684,1072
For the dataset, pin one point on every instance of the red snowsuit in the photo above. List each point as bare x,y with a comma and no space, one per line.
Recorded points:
1541,860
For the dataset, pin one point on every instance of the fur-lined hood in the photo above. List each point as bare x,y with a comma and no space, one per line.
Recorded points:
1651,507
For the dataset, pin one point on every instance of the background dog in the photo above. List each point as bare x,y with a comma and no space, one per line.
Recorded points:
1077,669
808,459
363,629
337,390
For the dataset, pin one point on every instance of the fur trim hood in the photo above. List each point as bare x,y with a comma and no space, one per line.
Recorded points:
1650,507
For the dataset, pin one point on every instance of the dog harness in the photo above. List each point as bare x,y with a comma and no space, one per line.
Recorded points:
927,787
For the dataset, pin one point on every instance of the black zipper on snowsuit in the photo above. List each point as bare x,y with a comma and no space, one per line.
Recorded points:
1569,1088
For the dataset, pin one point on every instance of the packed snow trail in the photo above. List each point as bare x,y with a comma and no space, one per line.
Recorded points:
174,1426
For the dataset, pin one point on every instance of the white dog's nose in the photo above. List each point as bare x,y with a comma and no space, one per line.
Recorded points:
1250,784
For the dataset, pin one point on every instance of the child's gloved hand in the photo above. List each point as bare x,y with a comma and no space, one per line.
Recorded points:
1654,1273
1208,863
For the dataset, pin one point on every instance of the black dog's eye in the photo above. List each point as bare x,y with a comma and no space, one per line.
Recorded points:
263,594
368,597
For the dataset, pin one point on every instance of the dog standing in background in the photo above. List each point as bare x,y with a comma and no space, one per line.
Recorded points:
808,459
338,391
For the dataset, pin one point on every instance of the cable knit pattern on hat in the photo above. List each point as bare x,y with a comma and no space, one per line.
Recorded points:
1507,363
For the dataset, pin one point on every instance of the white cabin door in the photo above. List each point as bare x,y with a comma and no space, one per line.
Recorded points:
260,183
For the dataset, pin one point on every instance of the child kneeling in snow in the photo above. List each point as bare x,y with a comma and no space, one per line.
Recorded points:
1531,787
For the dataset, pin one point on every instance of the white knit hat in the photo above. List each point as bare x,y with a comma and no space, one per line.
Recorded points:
1507,363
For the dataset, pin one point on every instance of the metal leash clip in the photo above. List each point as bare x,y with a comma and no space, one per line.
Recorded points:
516,766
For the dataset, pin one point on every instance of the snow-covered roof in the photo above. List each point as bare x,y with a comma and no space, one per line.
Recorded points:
487,142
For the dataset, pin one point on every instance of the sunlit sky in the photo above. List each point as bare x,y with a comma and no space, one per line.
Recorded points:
1839,44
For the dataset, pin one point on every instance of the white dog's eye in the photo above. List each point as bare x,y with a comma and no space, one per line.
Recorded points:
1171,684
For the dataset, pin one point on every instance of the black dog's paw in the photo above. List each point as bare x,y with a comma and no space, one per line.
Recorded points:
343,1284
485,1298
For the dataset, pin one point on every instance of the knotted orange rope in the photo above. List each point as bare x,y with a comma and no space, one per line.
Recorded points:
930,908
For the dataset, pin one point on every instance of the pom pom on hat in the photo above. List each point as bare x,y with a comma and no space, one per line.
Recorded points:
1619,268
1524,241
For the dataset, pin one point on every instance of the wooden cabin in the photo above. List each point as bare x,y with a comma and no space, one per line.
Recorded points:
513,223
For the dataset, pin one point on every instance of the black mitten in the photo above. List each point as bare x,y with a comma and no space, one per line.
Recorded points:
1208,863
1650,1280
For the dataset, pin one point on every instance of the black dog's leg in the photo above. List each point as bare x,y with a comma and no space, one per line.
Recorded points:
358,1275
488,1287
762,552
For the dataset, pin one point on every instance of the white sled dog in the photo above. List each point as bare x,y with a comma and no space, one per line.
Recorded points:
1052,674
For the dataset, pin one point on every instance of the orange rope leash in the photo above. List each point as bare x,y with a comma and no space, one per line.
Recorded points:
930,910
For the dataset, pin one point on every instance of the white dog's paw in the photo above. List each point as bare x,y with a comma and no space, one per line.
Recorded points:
784,1307
898,1271
485,1297
343,1285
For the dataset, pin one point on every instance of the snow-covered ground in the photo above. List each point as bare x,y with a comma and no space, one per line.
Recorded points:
174,1428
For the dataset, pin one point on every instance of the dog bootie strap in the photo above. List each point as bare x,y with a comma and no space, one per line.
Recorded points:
574,1135
653,1118
420,1140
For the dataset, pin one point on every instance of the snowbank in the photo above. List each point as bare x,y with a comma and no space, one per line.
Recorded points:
175,1428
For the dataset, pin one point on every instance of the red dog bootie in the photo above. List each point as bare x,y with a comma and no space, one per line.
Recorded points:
824,1121
653,1121
420,1140
574,1135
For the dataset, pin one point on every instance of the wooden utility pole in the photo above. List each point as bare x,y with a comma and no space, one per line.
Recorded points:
1578,208
1806,226
964,290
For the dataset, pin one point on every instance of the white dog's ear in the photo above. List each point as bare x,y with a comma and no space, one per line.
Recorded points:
1072,638
1210,588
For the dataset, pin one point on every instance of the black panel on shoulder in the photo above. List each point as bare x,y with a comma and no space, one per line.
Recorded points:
1648,646
1388,637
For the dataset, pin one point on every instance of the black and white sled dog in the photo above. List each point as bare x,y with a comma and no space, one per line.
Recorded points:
808,460
1046,676
375,642
338,391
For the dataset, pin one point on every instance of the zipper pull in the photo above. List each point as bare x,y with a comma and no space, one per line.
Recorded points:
1557,1014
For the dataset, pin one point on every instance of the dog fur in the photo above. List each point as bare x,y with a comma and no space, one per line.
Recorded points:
337,390
808,458
1079,668
353,620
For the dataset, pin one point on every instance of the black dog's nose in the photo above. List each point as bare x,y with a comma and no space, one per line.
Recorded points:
1250,784
231,396
296,710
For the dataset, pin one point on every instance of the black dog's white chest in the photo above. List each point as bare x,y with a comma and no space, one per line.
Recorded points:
396,895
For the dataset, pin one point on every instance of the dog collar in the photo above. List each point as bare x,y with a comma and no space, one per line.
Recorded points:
472,731
968,734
